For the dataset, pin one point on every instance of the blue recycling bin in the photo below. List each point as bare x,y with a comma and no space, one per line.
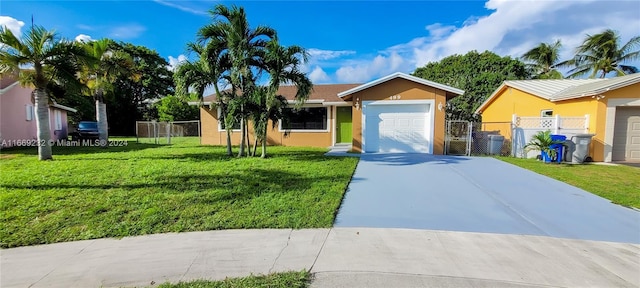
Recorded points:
558,147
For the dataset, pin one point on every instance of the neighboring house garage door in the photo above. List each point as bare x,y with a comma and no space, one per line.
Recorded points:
395,128
626,136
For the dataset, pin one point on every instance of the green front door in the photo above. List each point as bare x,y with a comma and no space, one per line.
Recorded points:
343,125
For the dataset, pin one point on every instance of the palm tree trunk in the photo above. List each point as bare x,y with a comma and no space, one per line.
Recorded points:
242,135
264,140
223,118
223,111
246,131
101,118
42,125
255,147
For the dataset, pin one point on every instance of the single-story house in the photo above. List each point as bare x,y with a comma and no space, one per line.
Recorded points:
612,107
18,118
396,113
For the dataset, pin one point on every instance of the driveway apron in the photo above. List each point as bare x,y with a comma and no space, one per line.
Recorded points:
477,194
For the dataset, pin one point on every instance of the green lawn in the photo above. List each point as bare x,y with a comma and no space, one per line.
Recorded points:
620,184
88,192
276,280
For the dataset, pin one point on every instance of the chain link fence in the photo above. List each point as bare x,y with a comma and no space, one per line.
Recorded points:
167,132
478,138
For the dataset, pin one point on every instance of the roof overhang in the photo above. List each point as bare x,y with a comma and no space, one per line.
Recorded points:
62,107
401,75
199,103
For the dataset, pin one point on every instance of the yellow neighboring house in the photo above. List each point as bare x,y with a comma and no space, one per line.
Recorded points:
611,107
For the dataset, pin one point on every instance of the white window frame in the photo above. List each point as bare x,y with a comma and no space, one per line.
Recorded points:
544,115
220,123
57,119
29,112
328,108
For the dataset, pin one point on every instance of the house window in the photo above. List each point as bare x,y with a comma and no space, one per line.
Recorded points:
58,119
309,118
236,126
221,126
546,113
29,111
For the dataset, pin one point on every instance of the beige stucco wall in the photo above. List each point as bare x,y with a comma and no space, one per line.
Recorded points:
212,136
407,90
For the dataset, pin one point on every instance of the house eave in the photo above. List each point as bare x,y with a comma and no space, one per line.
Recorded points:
403,76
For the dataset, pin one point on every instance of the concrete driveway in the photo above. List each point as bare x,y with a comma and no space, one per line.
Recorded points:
477,194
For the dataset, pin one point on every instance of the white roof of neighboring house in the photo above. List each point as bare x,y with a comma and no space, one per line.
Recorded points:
565,89
62,107
403,76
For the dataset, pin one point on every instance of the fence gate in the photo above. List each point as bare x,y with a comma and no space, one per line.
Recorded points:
458,137
478,138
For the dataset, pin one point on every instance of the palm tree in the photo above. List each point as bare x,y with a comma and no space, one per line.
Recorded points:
49,59
206,71
283,66
601,54
99,75
543,60
242,45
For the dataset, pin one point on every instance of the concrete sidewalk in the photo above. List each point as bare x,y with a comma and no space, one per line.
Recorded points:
339,257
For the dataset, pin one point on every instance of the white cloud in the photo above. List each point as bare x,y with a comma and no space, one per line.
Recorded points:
512,28
181,7
127,31
318,76
320,54
437,30
14,25
173,61
83,38
363,71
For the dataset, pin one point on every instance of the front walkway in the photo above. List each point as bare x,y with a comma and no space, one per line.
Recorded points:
339,257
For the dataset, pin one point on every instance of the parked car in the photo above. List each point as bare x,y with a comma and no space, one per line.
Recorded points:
85,130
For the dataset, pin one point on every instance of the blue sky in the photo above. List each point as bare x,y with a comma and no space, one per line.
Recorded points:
349,42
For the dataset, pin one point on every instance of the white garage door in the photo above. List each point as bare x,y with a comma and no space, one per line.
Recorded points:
397,128
626,134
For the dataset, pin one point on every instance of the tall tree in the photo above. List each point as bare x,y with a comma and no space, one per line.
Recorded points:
543,60
172,108
478,74
132,97
99,76
50,59
602,53
242,45
283,67
206,71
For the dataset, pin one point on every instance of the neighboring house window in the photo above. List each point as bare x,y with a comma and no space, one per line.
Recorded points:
546,123
58,119
29,111
310,118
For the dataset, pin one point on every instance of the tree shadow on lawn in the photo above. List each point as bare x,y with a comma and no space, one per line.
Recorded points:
227,186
